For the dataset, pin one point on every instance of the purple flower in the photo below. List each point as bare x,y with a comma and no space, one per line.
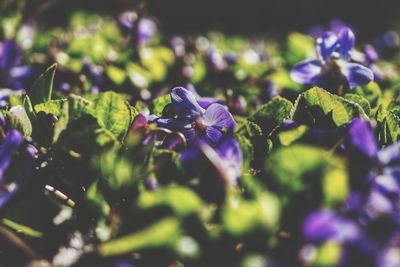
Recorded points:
334,68
12,73
193,120
371,56
204,102
12,142
227,158
324,225
146,28
335,26
362,139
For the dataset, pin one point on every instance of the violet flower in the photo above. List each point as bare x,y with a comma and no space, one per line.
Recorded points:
226,158
194,121
146,28
11,143
12,73
323,225
334,69
204,102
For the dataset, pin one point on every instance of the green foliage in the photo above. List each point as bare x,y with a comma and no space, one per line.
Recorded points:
319,108
388,126
113,113
164,233
270,115
261,213
301,169
19,120
42,89
160,103
299,47
182,201
371,92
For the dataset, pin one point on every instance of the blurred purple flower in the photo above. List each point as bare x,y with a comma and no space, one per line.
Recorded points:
11,143
324,225
362,139
146,28
12,73
227,158
334,68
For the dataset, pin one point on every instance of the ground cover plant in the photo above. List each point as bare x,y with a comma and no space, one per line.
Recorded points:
123,146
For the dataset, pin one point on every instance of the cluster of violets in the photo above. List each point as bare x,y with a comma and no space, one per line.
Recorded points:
366,227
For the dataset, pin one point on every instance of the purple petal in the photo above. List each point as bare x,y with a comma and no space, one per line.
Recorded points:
185,104
387,184
7,193
326,45
178,126
146,30
345,43
10,54
204,102
325,225
370,53
11,143
378,204
306,71
227,158
20,72
389,154
362,138
357,74
214,134
218,115
140,121
337,25
232,156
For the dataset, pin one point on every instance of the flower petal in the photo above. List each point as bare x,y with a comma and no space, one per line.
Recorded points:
323,225
11,143
326,45
214,134
219,116
232,157
345,42
356,74
10,54
204,102
362,138
389,154
185,104
306,71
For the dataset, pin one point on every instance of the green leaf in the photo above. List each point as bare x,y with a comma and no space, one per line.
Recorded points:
22,229
116,74
289,136
388,125
307,170
319,108
247,150
363,102
112,112
164,233
372,92
241,217
182,201
159,104
271,114
50,107
299,47
19,120
42,88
